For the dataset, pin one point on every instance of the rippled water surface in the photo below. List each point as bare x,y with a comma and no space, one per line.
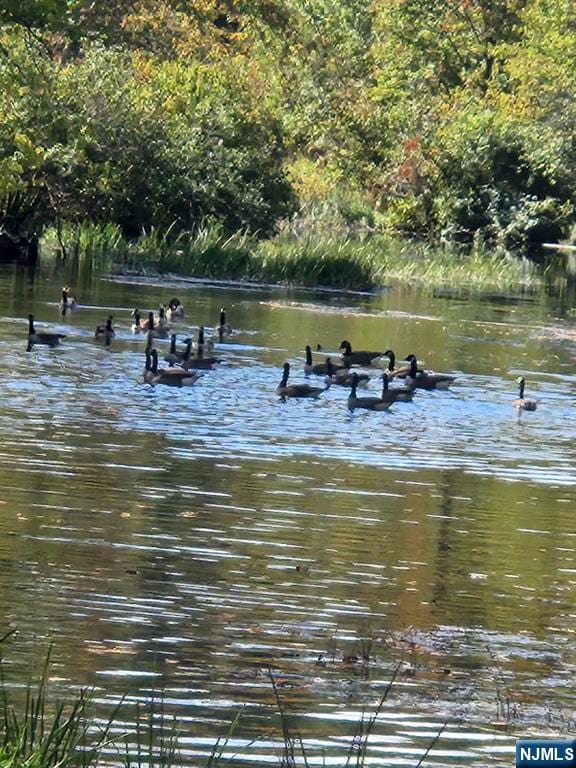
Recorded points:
216,548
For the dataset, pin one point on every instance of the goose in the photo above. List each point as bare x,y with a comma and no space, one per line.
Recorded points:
296,390
397,394
198,361
524,403
224,328
105,332
393,372
67,302
162,323
48,339
156,332
136,326
320,369
175,310
357,358
203,344
368,403
424,380
171,377
176,357
343,377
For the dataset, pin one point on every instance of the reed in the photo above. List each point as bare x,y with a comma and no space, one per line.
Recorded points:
43,735
307,259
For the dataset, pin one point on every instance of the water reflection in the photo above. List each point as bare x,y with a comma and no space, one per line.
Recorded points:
195,542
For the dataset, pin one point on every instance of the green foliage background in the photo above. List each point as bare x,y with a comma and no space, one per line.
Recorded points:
448,119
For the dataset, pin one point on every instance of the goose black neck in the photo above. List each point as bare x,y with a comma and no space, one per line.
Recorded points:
201,336
391,360
154,367
222,317
384,383
522,385
413,367
173,344
151,320
308,355
30,324
329,367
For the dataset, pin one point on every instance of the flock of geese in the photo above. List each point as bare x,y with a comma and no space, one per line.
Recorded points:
186,364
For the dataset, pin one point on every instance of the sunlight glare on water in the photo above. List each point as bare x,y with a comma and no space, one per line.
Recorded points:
220,550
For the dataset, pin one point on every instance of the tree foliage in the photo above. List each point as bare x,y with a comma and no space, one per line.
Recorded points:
449,118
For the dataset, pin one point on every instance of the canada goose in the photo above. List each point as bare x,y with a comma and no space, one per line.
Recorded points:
368,403
203,344
425,380
397,394
357,358
173,356
175,310
296,390
524,403
198,361
162,322
67,302
48,339
320,369
171,377
136,326
342,376
105,332
224,328
155,331
396,373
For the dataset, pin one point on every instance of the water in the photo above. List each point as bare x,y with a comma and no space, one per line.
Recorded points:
204,547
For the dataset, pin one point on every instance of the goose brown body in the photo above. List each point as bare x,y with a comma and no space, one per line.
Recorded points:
366,403
399,372
105,332
420,379
320,369
173,356
67,302
223,328
357,357
395,394
171,377
524,403
296,390
343,377
46,339
175,310
198,362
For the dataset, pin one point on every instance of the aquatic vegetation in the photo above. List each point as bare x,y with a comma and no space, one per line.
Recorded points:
310,259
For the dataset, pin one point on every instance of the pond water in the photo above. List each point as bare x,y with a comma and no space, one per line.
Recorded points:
195,546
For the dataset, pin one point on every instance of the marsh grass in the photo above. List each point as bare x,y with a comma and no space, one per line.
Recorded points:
308,259
37,732
43,734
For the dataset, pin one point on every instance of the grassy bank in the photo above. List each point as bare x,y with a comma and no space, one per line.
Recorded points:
310,259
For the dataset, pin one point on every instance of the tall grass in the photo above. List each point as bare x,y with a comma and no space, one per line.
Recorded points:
308,259
39,735
42,734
